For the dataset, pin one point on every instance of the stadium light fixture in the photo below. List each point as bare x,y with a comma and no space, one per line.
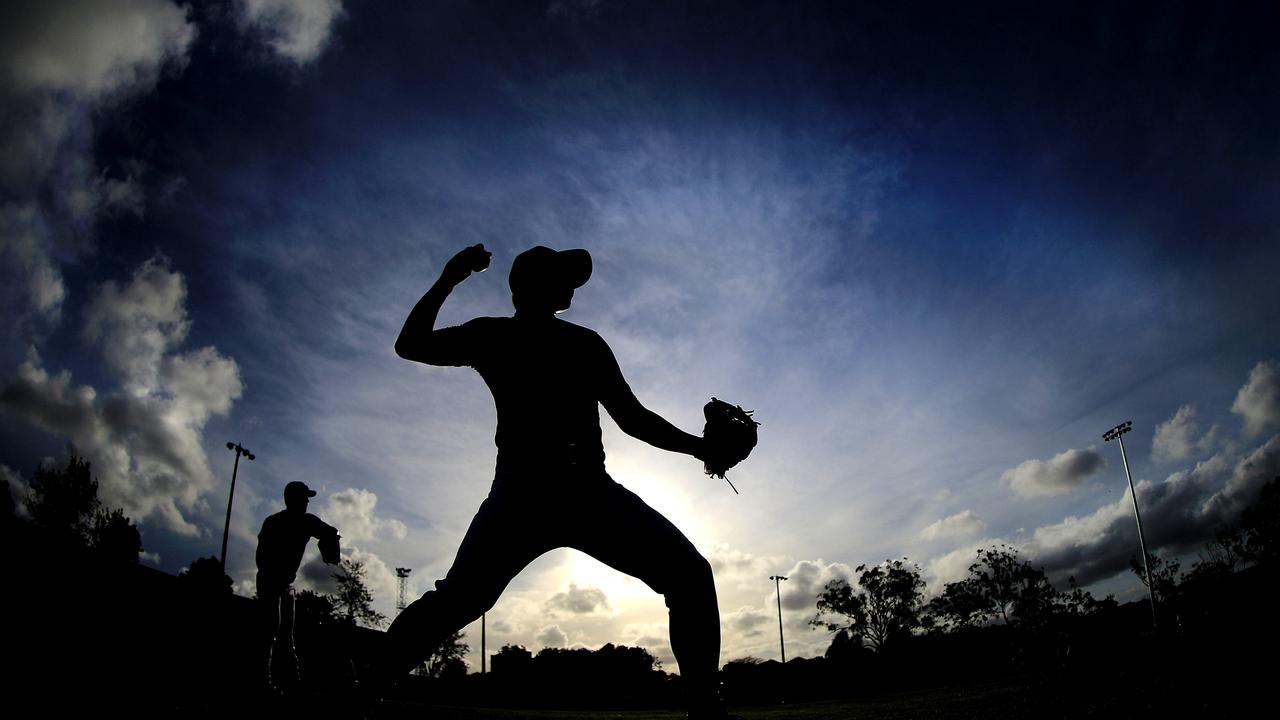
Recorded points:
239,450
782,645
1117,433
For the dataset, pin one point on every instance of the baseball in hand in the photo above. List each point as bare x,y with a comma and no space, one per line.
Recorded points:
479,260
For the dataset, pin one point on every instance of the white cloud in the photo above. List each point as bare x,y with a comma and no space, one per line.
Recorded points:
1178,438
17,488
578,601
139,324
296,29
1258,401
959,525
746,621
92,47
59,62
354,512
551,636
1061,473
734,568
806,580
954,565
144,443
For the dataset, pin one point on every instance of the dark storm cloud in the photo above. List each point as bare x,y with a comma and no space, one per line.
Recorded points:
1178,513
1061,473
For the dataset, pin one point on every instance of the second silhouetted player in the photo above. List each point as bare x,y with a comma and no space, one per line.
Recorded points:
549,378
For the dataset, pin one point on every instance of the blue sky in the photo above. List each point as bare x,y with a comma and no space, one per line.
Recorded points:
939,252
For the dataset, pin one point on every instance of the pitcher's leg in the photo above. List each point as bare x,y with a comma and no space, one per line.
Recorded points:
269,629
285,636
628,535
500,542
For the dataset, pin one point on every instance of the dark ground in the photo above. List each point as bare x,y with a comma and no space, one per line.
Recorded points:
133,642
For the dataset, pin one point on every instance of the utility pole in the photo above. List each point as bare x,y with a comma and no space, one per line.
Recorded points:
226,528
1117,433
484,656
782,645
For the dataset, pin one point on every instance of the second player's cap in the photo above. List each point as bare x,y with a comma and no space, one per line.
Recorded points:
298,489
540,266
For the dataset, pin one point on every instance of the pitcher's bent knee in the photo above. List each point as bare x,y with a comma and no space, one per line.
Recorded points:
693,583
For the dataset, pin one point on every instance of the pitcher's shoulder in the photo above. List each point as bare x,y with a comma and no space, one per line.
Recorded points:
580,333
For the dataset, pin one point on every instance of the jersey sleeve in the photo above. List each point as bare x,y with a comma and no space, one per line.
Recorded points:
461,345
318,528
611,387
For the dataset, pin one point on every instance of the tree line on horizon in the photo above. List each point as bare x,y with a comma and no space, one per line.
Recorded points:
886,603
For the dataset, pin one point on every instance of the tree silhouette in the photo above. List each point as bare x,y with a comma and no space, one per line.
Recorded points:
115,537
1003,588
1164,575
512,660
64,505
1253,541
8,510
205,575
885,606
62,502
353,603
1261,525
959,606
445,658
316,607
1078,602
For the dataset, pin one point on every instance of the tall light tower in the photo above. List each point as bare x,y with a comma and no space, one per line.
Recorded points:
778,587
403,601
239,450
1117,433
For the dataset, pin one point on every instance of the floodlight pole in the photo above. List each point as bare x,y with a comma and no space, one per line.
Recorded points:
1117,433
778,587
226,528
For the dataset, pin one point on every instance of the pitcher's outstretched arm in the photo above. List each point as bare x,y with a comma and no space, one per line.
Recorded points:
638,421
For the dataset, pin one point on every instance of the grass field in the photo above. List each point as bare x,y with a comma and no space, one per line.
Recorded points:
996,700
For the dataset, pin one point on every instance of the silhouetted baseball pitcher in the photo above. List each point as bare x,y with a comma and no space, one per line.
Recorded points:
549,378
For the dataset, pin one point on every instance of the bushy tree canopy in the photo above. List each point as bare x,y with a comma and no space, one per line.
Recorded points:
1002,588
64,507
885,604
353,603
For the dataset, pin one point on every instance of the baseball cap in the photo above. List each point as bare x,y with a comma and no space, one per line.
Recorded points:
298,489
540,266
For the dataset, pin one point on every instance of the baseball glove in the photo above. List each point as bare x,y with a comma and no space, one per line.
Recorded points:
329,551
728,436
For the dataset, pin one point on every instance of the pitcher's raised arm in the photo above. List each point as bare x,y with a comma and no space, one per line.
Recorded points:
419,340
